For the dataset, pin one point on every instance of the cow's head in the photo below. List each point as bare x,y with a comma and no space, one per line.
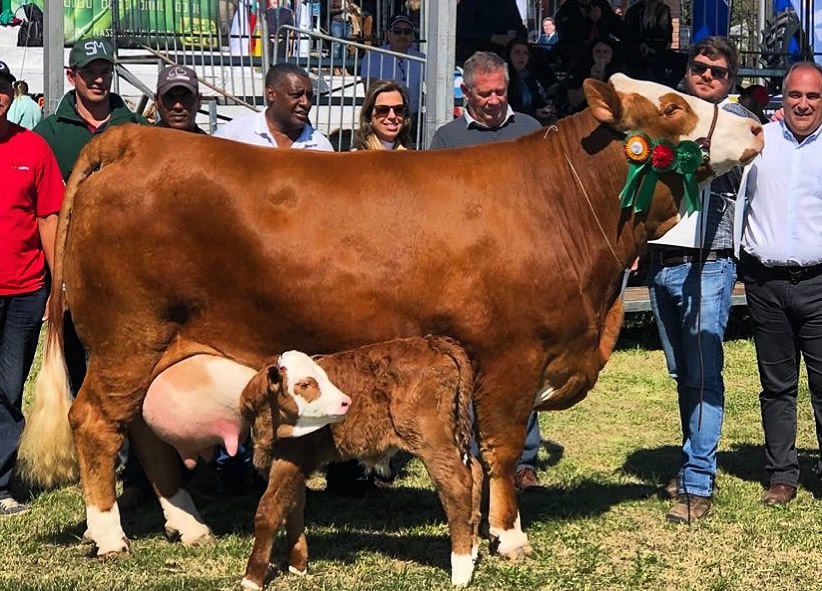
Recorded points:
290,396
660,112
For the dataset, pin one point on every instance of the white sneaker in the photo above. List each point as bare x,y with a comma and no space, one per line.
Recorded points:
10,506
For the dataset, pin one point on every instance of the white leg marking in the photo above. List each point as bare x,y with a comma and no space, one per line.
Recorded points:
250,585
105,530
462,568
182,518
475,552
296,571
510,540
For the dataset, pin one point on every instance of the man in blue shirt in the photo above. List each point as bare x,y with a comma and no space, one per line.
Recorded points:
781,259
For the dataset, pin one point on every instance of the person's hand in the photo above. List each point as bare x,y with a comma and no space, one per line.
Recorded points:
778,115
46,311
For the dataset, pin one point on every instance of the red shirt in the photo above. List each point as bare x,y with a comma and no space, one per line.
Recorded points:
30,187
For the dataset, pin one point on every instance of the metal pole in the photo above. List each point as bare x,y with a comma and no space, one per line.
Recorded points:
53,55
439,71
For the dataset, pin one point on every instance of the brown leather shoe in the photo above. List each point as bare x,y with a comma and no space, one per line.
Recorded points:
525,479
779,494
689,508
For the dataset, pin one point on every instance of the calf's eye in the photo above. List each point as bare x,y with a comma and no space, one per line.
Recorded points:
671,109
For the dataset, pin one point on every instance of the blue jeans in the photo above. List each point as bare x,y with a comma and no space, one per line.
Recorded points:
340,30
691,322
20,320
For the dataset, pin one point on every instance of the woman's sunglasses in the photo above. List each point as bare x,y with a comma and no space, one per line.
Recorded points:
384,110
717,72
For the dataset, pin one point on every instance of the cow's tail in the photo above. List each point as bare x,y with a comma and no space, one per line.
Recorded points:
462,423
46,456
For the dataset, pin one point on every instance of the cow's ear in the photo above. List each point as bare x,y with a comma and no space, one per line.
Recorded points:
603,101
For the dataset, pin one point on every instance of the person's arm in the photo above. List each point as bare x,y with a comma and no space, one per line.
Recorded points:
47,228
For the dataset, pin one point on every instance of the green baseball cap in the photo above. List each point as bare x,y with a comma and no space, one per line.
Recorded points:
86,51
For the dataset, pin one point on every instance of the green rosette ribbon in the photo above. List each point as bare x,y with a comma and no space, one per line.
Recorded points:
688,160
647,159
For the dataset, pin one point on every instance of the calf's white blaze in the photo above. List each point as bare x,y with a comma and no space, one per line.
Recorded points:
329,407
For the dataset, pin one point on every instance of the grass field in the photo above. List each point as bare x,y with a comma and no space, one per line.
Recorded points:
597,524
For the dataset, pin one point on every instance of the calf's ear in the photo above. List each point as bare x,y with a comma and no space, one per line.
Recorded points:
603,100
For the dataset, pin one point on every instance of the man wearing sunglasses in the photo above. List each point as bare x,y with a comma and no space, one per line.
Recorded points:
90,108
691,278
409,73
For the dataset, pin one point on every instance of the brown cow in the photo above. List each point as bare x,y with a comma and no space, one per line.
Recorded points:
239,251
407,394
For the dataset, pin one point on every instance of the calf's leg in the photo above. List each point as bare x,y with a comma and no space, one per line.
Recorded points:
162,467
454,482
296,543
284,482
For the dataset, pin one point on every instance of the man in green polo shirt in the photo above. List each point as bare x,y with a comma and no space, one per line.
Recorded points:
90,108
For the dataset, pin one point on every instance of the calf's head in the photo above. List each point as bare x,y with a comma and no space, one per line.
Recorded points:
290,396
661,112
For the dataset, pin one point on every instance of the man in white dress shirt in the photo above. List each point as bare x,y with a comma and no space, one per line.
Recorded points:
781,258
289,96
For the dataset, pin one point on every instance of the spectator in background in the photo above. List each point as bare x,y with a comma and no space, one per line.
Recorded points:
178,98
276,16
649,29
24,111
574,26
487,25
548,37
599,62
755,98
90,109
385,122
31,192
526,94
489,118
284,122
409,73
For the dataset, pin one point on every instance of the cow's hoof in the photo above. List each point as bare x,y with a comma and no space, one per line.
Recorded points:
193,536
462,569
295,571
513,551
114,550
250,585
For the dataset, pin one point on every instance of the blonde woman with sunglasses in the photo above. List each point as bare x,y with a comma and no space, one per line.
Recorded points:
385,118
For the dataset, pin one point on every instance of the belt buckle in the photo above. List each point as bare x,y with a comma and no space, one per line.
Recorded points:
795,274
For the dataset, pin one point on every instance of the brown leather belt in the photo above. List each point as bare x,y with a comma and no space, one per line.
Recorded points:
670,257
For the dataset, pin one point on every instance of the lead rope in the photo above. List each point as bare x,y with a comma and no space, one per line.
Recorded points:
587,199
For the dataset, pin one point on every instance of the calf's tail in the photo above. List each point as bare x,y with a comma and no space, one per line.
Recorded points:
46,456
462,424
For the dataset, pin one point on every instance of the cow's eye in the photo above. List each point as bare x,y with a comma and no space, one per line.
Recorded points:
671,109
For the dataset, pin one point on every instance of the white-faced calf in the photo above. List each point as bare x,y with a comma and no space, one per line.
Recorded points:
407,394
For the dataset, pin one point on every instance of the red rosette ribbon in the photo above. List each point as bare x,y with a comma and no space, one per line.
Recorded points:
663,156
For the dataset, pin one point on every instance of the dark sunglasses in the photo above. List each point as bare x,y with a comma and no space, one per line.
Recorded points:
717,72
402,31
383,110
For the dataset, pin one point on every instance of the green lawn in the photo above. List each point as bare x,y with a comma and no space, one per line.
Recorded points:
597,525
